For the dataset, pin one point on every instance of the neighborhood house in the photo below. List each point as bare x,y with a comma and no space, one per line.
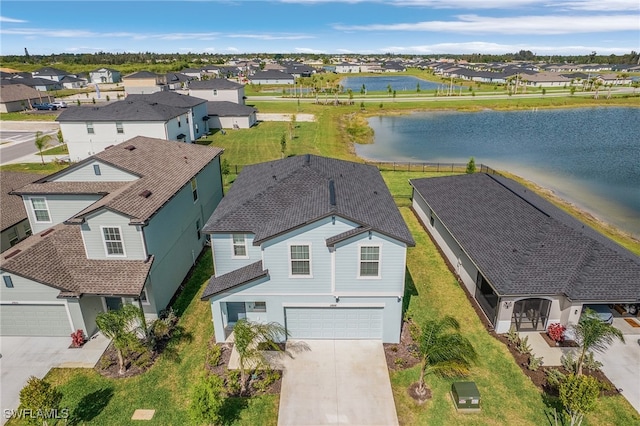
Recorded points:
527,263
313,243
122,226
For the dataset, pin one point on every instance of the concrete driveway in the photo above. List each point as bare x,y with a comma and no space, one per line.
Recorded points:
23,357
337,382
621,365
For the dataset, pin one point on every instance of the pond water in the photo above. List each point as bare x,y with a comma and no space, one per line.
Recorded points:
588,156
400,83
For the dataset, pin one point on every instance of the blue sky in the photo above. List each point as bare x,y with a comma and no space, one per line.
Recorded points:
425,27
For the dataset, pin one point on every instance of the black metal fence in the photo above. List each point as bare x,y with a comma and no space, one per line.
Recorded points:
409,166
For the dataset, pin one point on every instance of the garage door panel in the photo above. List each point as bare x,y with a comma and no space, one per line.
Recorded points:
34,320
334,323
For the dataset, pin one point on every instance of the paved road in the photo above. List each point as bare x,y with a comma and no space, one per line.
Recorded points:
18,144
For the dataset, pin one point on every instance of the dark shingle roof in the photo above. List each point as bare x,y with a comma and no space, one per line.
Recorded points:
270,198
164,168
142,75
214,83
57,258
13,210
271,75
525,245
229,109
168,98
125,110
16,91
51,71
234,278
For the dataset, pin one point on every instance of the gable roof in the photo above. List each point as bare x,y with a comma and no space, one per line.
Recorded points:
271,75
51,71
141,75
13,210
523,244
271,198
56,257
164,168
18,92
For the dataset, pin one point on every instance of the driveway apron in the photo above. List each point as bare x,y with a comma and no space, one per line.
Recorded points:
337,382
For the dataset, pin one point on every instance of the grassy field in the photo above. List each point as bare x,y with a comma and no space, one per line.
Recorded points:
57,150
166,387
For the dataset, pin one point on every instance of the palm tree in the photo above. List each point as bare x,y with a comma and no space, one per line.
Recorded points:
247,336
121,327
443,350
593,334
42,142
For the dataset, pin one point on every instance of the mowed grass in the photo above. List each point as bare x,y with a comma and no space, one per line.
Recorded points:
166,387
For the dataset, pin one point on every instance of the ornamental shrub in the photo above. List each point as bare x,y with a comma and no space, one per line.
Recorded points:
556,332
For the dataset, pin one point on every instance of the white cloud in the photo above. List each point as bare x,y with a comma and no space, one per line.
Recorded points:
12,20
308,50
600,5
535,25
591,5
232,49
500,49
270,36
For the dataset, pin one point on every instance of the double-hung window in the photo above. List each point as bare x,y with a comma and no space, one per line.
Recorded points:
119,127
239,245
13,236
113,243
369,261
40,209
90,128
194,189
300,256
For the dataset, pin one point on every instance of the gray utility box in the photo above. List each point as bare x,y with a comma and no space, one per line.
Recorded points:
466,397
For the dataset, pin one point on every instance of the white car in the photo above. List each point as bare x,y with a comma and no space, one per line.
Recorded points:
59,104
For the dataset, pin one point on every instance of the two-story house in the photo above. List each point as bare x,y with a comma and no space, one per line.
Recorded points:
105,75
144,82
217,89
313,243
122,226
164,115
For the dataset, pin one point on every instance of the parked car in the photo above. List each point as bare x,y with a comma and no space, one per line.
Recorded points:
602,311
59,104
45,107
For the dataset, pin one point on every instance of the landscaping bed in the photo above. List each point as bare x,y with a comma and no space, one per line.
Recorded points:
402,355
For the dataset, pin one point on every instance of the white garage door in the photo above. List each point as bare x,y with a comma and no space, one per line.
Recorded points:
334,323
34,320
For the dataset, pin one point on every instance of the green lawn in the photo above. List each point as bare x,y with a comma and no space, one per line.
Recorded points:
25,116
46,168
57,150
165,388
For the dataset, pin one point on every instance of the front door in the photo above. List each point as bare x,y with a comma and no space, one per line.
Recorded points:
113,303
235,311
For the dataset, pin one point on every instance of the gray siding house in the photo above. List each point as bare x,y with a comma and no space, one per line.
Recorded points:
122,226
527,263
229,115
315,244
217,90
164,115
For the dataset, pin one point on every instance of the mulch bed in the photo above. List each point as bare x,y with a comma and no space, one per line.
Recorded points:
221,370
563,344
402,355
107,366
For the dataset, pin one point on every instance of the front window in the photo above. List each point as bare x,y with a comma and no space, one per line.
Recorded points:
257,307
90,128
370,261
8,282
300,260
119,127
40,209
96,169
113,241
239,245
194,189
13,236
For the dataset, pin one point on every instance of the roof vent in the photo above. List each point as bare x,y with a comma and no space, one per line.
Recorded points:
146,193
110,146
129,147
47,232
13,253
332,193
307,159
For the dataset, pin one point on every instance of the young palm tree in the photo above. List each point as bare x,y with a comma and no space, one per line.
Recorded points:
121,326
593,334
42,142
443,350
247,336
